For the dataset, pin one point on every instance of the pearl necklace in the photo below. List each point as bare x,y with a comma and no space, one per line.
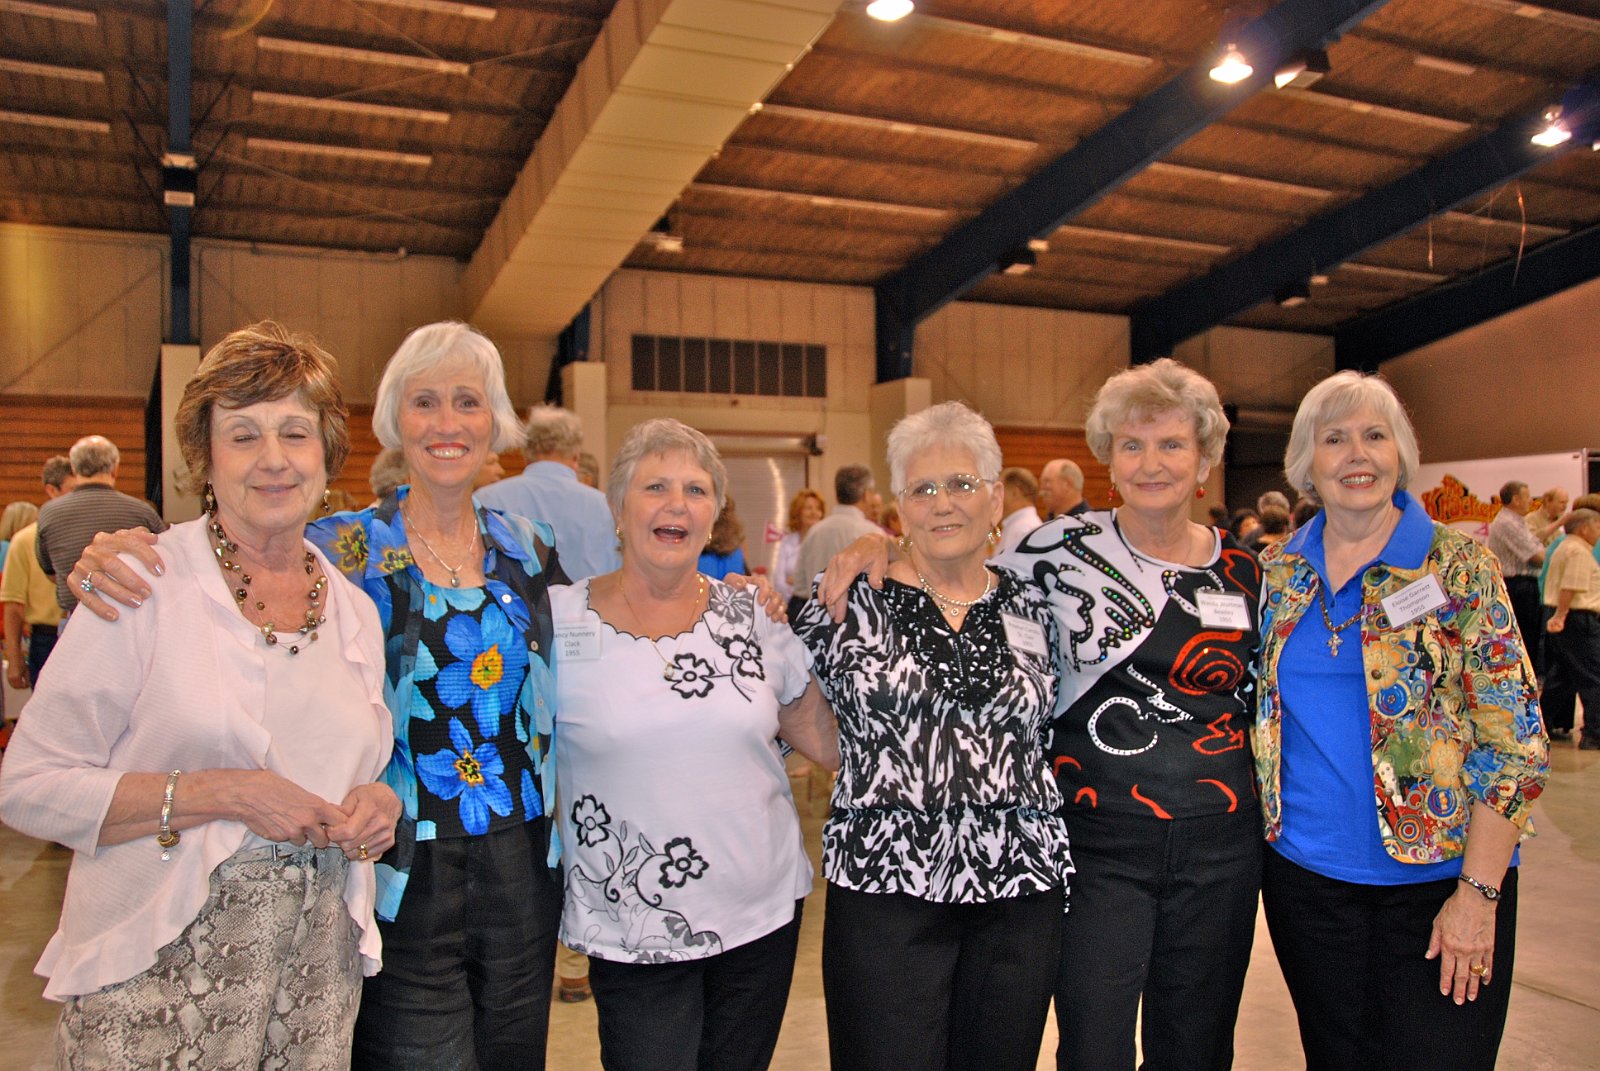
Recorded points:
412,528
315,618
668,670
949,604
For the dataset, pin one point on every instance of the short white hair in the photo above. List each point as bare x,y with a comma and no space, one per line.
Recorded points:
94,455
1335,398
552,432
945,424
443,343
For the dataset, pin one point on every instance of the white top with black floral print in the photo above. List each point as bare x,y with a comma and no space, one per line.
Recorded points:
681,835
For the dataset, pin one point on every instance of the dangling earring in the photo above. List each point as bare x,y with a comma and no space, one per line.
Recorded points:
904,542
1113,492
1199,492
208,499
994,535
619,537
327,501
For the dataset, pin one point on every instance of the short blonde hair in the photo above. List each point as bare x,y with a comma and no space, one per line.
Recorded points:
1336,397
15,517
1140,393
664,435
430,347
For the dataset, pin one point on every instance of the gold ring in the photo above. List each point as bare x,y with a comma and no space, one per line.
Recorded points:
361,853
1479,969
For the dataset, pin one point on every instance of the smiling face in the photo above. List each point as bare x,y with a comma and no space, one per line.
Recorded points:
1156,464
947,528
1355,464
810,513
268,467
667,512
445,426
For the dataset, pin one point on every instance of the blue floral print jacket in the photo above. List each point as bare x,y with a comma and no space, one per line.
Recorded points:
1451,696
369,546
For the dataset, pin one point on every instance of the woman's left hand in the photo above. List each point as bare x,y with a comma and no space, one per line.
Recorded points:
369,831
1463,937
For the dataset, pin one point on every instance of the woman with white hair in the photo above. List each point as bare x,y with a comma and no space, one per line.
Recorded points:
1399,748
467,903
946,853
685,868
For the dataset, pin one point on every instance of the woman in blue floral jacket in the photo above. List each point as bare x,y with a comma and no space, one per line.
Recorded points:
1399,749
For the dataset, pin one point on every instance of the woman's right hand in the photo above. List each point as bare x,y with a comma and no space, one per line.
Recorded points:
868,554
114,579
279,810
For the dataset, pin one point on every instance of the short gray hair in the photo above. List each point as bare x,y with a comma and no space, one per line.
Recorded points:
552,432
438,344
1578,518
1272,500
1140,394
1336,397
663,435
94,455
389,470
1065,466
945,424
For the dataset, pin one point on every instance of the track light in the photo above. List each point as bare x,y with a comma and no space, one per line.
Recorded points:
1233,67
1018,261
1302,69
1554,132
890,10
661,239
1293,296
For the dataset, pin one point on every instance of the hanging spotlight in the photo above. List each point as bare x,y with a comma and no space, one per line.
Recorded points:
890,10
1301,70
1019,261
1233,67
1554,132
1293,296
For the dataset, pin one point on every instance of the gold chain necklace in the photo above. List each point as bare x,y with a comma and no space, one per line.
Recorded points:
413,528
668,670
1334,641
315,618
954,604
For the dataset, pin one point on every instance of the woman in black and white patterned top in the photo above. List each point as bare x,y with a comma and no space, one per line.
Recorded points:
946,854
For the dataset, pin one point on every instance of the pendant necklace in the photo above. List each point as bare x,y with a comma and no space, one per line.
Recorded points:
315,618
455,579
1334,641
669,671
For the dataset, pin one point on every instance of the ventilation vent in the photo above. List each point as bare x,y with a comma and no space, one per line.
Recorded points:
729,366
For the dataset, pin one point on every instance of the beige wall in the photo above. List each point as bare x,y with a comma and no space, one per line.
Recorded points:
1527,382
1259,370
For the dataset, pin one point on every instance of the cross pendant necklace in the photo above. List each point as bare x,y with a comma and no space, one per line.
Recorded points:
1334,642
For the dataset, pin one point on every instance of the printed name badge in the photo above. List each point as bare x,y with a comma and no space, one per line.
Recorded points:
578,641
1224,609
1414,600
1025,635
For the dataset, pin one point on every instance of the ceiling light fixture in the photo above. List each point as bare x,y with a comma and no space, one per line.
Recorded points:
1018,261
50,11
56,122
1233,67
890,10
1554,132
443,7
350,107
1302,69
347,152
661,239
1293,296
316,50
1448,66
50,70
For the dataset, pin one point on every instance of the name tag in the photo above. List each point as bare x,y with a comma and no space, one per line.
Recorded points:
1025,635
1223,609
578,641
1416,599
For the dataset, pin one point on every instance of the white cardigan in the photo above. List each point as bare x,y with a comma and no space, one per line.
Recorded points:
176,684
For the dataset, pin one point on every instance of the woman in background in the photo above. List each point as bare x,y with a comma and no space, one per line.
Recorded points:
805,510
724,551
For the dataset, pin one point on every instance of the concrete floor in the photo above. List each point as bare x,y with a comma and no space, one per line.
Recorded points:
1554,1021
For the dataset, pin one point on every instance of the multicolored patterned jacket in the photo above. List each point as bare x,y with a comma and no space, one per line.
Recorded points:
1451,697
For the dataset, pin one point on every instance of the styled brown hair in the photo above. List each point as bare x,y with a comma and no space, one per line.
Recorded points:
801,497
260,363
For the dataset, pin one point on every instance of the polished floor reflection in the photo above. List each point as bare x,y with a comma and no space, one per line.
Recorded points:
1555,1004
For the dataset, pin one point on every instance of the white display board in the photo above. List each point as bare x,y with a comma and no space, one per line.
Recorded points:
1463,494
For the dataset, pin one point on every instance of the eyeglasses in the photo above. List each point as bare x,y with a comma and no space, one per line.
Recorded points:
958,487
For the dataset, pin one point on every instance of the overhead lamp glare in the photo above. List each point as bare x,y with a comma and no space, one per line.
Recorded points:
1302,69
890,10
1233,67
1554,132
1018,261
1293,296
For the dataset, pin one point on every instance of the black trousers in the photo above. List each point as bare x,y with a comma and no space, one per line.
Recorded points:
1163,909
41,641
1528,609
1366,998
1573,655
722,1013
914,985
468,961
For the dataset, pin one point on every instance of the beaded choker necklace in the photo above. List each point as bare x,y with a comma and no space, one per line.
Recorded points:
315,618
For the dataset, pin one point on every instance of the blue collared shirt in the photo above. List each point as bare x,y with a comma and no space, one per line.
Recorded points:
549,491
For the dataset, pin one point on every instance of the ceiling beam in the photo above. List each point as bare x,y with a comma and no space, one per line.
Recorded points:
1147,131
1335,237
1514,282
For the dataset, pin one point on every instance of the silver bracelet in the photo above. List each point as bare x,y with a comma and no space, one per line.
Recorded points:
164,834
1488,892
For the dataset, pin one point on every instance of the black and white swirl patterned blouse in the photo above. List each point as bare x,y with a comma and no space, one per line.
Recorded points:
944,792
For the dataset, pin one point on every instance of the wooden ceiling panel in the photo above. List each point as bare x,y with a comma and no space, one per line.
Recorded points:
1205,224
831,176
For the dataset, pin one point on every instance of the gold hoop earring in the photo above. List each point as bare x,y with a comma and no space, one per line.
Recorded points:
994,535
904,543
208,499
619,536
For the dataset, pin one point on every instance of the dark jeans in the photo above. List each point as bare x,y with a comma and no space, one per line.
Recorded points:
721,1013
1527,608
1352,956
468,962
1163,909
40,643
914,985
1573,655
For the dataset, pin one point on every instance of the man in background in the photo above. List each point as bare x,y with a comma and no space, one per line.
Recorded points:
1018,515
1061,489
858,499
94,505
28,593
